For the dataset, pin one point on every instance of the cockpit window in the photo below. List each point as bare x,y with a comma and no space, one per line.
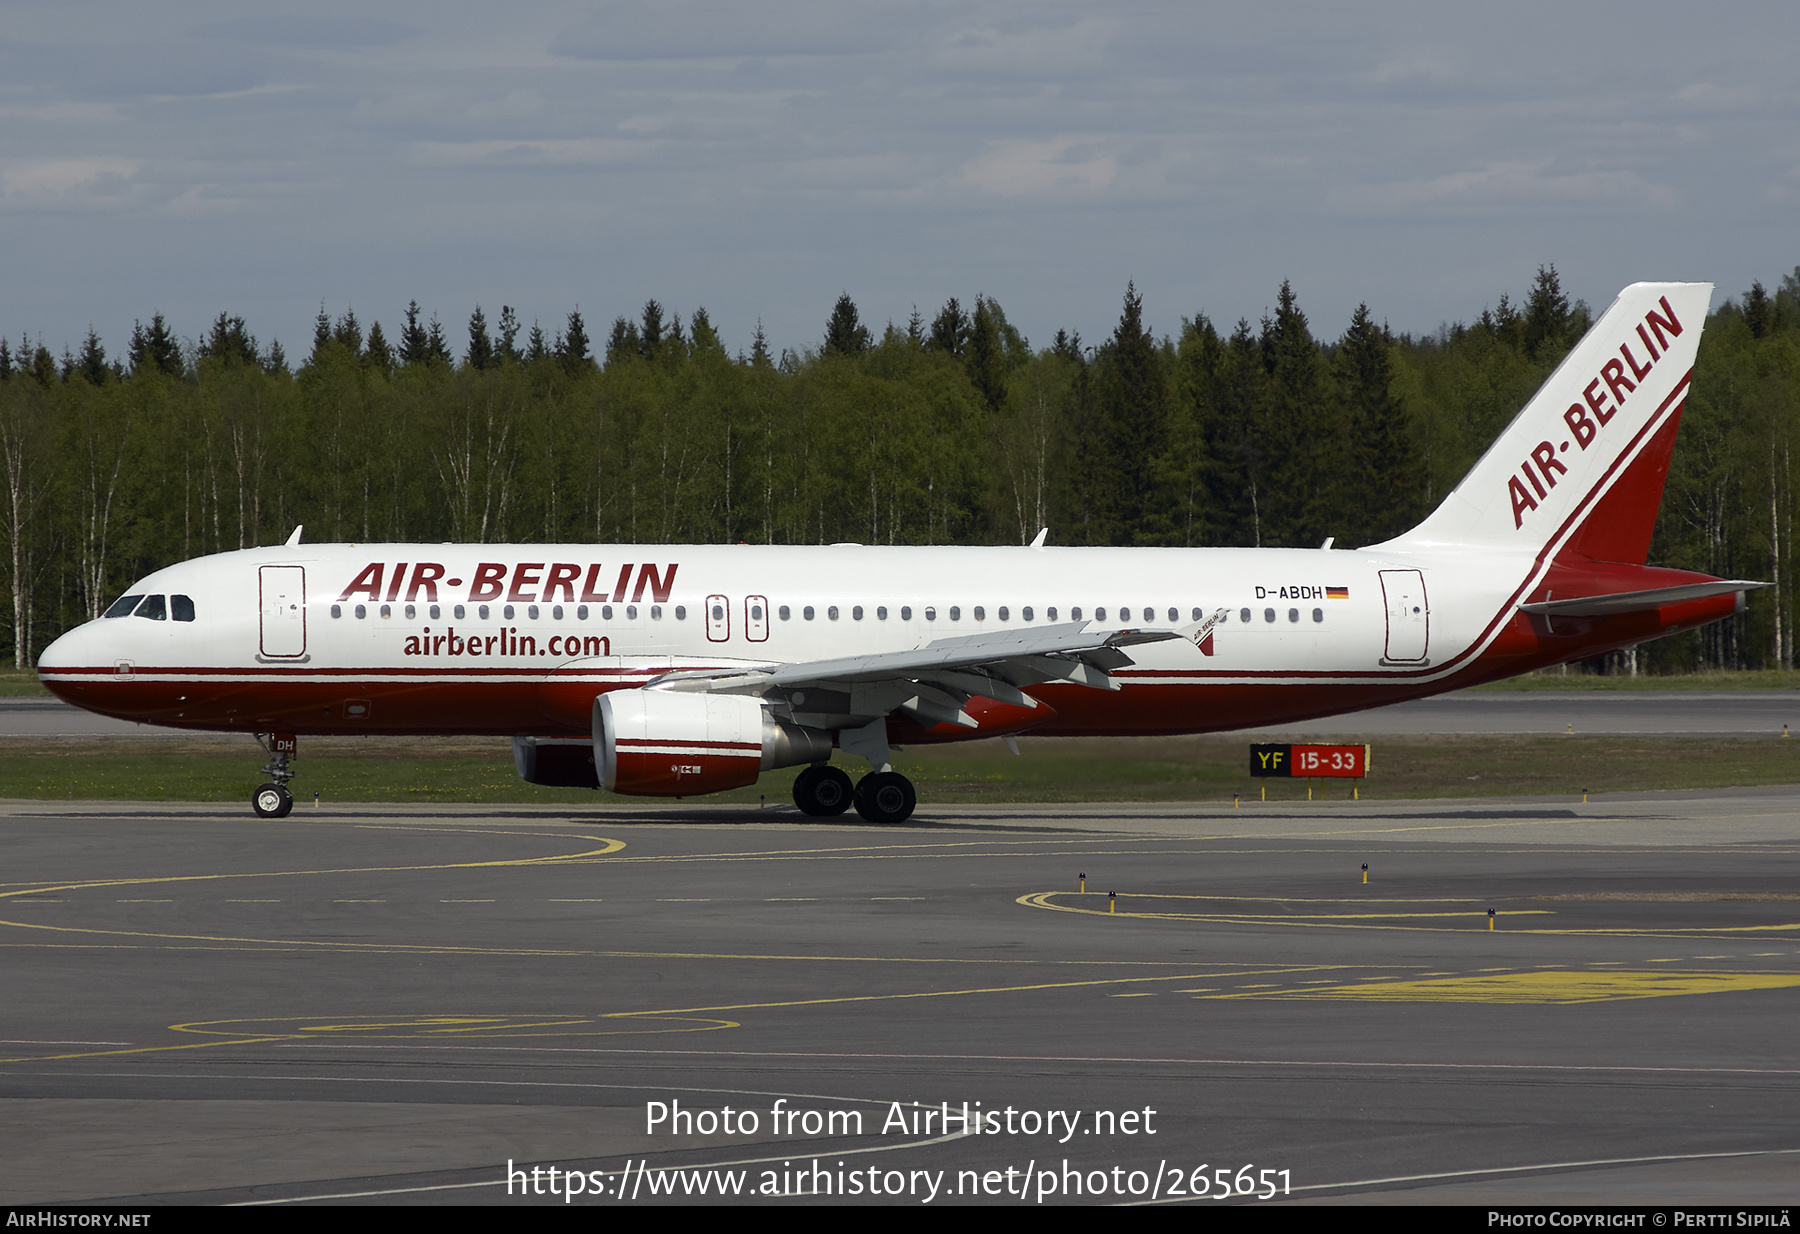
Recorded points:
153,608
181,608
123,605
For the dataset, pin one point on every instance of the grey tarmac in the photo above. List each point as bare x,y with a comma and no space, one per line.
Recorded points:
389,1004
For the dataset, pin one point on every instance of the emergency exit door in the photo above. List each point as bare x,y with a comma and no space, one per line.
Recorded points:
718,619
283,599
1408,615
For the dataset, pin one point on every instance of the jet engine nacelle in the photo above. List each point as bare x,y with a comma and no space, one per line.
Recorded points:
658,743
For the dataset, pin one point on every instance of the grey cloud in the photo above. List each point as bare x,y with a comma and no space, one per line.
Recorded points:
313,33
710,29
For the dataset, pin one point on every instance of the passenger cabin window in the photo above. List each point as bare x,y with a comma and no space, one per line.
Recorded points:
154,608
123,606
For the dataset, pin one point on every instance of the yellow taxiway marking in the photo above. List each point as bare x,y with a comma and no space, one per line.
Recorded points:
607,847
1043,899
1382,921
1538,987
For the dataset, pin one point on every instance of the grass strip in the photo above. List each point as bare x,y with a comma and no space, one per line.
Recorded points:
1200,769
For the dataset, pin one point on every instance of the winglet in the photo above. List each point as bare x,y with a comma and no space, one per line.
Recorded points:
294,540
1042,535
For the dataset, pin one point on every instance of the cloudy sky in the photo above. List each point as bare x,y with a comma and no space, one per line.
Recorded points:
761,158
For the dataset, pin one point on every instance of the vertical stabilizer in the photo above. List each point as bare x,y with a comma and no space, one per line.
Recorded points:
1587,457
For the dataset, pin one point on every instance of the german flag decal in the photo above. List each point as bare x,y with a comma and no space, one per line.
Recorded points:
1337,593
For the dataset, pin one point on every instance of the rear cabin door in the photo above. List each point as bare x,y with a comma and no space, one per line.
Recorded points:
1408,615
283,596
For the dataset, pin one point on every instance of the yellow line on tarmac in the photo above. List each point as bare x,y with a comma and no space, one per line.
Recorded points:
1373,921
607,847
1009,989
1611,985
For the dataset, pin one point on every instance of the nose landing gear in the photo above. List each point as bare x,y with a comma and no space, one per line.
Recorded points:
273,800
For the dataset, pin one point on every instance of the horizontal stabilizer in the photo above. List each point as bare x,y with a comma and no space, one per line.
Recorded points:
1637,601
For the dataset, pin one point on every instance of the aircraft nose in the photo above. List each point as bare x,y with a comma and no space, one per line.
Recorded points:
84,647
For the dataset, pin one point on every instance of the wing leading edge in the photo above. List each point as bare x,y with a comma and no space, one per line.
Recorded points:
935,681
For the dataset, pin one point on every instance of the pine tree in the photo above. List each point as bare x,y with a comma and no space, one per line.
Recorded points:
984,360
348,331
43,365
154,347
706,339
1133,432
437,347
91,363
650,332
1759,311
759,349
949,329
537,347
377,354
480,354
574,352
845,335
6,360
509,334
622,344
321,334
230,340
1386,488
1547,317
1304,445
415,346
1068,346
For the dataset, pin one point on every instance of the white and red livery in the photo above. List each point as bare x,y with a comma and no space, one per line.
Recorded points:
668,670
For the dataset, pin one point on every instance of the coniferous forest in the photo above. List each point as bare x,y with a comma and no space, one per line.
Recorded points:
945,429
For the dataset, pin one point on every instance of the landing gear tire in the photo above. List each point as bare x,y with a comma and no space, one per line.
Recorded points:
272,801
885,797
822,791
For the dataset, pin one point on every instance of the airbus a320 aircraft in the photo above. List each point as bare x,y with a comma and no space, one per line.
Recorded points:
672,671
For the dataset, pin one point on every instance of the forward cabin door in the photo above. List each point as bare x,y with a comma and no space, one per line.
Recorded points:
1408,615
283,598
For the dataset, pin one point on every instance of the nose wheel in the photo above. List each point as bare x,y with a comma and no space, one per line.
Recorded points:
273,800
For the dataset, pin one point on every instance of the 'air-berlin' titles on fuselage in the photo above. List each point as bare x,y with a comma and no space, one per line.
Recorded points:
532,582
1542,467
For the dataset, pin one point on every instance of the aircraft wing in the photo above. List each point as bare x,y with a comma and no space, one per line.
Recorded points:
935,680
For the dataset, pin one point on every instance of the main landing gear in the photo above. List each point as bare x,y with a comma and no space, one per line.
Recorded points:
881,796
273,800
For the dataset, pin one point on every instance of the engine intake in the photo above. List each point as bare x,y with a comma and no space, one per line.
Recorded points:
657,743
